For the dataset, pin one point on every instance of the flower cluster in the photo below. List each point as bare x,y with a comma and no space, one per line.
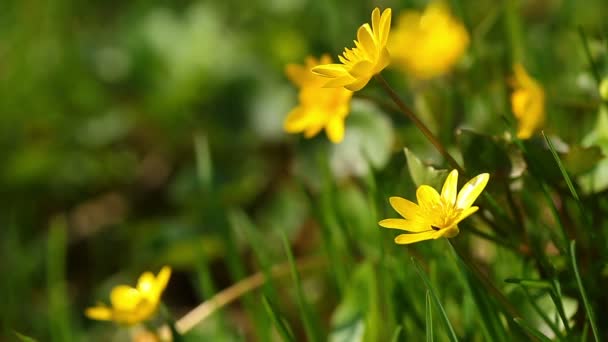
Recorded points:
527,103
132,305
319,108
368,58
428,44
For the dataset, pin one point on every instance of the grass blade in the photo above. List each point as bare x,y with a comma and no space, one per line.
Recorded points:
307,317
579,282
531,330
429,318
444,315
279,322
56,285
562,169
397,334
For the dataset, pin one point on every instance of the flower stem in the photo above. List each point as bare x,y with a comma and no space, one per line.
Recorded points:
419,124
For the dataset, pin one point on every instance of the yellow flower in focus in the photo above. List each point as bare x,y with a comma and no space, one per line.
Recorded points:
527,103
435,215
133,305
368,58
319,108
428,44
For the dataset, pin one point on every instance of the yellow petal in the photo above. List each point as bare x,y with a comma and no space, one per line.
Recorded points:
146,283
340,81
162,279
296,121
405,208
409,225
466,213
470,191
358,84
365,41
124,298
427,196
450,187
448,233
312,130
330,70
376,19
335,129
100,313
405,239
385,26
362,69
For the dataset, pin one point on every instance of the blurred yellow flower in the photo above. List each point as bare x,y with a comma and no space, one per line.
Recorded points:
527,103
435,215
428,44
319,107
133,305
368,58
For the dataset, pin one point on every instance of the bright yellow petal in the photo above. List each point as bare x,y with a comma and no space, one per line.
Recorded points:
339,81
124,298
296,121
467,212
409,225
366,42
427,196
358,84
448,233
146,283
100,313
405,208
470,191
312,130
405,239
376,20
362,69
335,129
382,32
330,70
450,187
162,279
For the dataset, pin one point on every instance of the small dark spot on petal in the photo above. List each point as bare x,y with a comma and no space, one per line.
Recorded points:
435,228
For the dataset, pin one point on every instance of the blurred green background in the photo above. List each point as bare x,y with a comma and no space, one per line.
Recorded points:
142,133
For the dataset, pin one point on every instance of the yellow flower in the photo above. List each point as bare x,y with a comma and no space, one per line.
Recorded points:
319,107
133,305
368,58
428,44
435,215
527,103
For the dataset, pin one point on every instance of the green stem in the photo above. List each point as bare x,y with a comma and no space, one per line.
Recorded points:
579,282
419,124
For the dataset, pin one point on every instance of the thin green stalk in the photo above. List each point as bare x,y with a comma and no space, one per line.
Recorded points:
56,285
592,65
451,333
280,324
429,318
542,313
562,169
556,295
581,289
419,124
537,334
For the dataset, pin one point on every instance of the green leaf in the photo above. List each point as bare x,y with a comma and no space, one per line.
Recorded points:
367,144
424,174
582,159
484,153
530,283
348,319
